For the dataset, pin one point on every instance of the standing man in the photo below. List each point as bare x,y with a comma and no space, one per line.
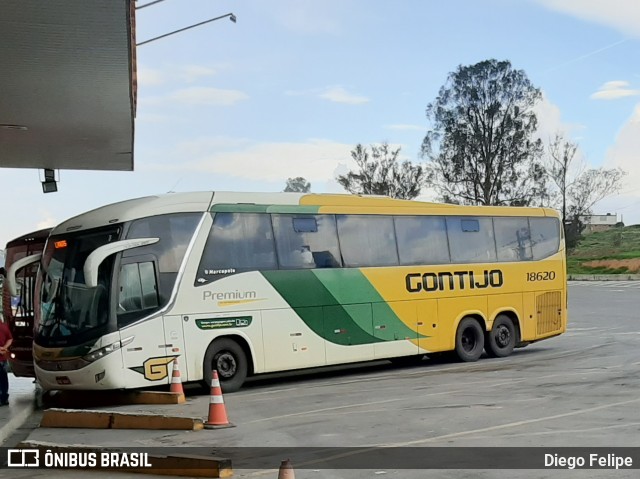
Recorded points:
5,341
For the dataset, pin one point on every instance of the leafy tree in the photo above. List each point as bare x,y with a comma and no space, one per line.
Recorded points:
481,145
297,185
380,172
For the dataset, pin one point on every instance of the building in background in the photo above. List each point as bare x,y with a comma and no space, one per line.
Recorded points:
595,223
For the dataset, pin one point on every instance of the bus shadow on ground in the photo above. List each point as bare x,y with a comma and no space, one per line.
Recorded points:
357,370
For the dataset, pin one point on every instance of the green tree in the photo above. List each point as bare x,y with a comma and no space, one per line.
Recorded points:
297,185
481,144
380,172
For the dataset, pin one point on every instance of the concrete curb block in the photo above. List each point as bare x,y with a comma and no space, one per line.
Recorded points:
603,277
78,399
86,419
15,422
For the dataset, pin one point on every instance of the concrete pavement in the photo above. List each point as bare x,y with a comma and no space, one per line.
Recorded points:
22,394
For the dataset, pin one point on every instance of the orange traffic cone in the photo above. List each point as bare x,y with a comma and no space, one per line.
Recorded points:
176,382
286,470
217,412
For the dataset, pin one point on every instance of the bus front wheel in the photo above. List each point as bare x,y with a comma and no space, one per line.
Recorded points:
469,340
230,361
501,340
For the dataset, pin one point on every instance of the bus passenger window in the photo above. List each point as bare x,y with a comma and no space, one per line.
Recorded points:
306,241
237,242
545,236
422,239
138,288
367,240
513,239
471,240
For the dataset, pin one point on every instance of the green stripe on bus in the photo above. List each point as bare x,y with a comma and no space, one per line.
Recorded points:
339,314
238,208
251,208
320,310
293,209
360,290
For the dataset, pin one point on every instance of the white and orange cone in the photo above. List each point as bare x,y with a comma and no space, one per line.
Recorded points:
217,412
176,382
286,470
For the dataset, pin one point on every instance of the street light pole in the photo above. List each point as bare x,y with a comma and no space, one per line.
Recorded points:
231,16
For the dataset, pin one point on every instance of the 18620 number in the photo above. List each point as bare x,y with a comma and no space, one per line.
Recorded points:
541,276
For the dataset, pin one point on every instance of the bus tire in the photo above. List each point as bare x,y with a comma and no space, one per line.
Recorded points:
469,340
230,360
500,341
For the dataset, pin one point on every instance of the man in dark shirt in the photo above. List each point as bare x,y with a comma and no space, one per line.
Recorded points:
5,341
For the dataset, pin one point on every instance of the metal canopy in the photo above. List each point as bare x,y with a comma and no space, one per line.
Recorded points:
67,75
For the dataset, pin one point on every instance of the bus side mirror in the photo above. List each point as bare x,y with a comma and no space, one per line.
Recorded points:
95,259
17,265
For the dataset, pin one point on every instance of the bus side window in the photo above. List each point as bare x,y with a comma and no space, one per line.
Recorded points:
367,240
237,242
306,241
513,239
545,236
138,291
471,239
422,240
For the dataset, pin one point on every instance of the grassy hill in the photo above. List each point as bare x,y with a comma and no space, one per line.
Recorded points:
608,252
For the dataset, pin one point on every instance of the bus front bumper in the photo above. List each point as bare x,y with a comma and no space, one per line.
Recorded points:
104,373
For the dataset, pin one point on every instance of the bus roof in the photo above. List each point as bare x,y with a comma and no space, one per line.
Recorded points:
42,234
277,203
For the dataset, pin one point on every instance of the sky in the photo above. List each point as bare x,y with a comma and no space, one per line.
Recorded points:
294,85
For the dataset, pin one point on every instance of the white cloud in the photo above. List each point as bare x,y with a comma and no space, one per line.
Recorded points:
626,150
208,96
405,127
314,159
624,154
340,95
622,15
48,221
191,73
550,121
149,76
613,90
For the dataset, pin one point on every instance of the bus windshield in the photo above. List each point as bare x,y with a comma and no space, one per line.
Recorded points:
70,312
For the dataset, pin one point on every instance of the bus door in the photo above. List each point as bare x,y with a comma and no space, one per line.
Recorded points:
144,349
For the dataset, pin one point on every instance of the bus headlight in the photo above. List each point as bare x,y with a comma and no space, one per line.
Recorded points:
102,352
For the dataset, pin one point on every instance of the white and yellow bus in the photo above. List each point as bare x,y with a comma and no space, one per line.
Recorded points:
250,283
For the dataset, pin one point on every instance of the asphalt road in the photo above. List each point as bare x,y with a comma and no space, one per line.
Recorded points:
581,389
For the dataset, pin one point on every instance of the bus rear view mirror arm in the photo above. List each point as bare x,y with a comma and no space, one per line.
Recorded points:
95,259
15,267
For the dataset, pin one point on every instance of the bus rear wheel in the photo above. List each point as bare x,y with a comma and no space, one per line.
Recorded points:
469,340
501,340
230,361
